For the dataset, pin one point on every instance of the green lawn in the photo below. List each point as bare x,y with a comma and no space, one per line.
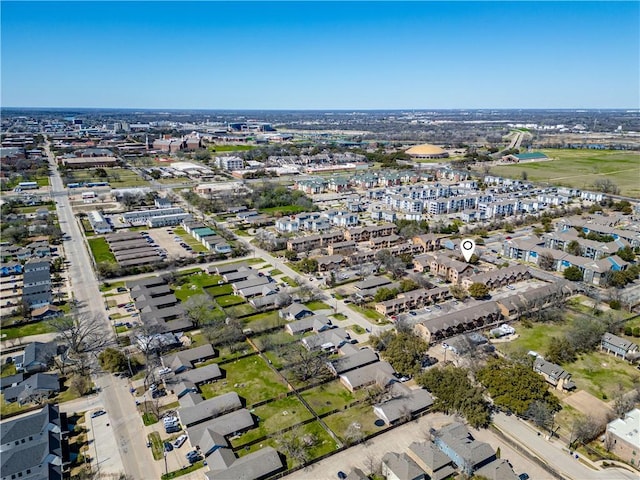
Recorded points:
26,330
43,181
323,442
600,374
580,168
329,396
361,414
275,272
369,313
230,148
290,281
108,286
8,369
356,329
157,447
250,377
536,338
230,300
273,417
240,310
316,305
339,316
220,290
117,177
284,210
100,250
262,321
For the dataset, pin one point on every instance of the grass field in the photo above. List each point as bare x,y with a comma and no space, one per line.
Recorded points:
362,414
290,281
117,177
230,148
100,250
229,300
219,290
285,210
240,310
250,377
600,374
274,416
316,305
26,330
189,240
580,168
331,396
536,338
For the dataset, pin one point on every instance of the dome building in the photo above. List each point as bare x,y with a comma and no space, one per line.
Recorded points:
427,151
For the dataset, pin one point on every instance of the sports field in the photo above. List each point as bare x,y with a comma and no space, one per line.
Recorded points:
580,168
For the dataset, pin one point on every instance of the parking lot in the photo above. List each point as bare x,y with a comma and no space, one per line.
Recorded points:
166,240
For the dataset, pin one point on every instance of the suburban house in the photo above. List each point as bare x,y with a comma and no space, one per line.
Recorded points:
34,388
553,374
401,467
405,402
431,460
194,409
380,373
38,356
316,323
618,346
295,311
353,360
459,445
327,340
413,299
232,423
263,463
624,436
186,359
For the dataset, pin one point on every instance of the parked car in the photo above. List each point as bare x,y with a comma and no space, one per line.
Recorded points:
180,441
169,420
412,313
172,428
164,371
342,475
158,393
511,287
97,413
168,447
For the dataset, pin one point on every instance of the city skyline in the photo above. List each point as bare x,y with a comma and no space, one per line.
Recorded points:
321,56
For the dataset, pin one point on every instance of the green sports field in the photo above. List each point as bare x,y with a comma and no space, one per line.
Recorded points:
580,168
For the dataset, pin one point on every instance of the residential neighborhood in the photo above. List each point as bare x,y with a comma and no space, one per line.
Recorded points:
220,302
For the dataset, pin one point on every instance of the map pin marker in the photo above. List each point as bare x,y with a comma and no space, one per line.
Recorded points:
467,246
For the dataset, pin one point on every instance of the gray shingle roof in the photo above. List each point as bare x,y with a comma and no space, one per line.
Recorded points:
213,407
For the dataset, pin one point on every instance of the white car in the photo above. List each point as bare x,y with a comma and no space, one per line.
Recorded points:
170,420
180,441
164,371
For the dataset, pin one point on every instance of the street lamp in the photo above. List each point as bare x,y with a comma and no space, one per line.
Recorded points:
166,469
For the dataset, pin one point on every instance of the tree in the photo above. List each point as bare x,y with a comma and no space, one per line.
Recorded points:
524,175
626,254
455,393
405,352
305,364
353,434
291,255
574,248
573,273
605,185
478,290
408,284
541,414
308,265
383,294
584,429
201,309
546,262
560,351
83,334
458,292
113,360
380,340
80,384
515,386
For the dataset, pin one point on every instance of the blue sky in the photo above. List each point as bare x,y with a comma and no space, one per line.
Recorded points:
324,55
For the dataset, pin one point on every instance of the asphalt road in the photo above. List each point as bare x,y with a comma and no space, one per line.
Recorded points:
554,452
85,289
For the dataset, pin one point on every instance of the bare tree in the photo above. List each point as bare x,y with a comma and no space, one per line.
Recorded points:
83,334
353,434
584,429
201,309
305,364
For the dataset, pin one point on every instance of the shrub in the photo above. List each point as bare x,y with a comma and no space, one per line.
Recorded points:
615,304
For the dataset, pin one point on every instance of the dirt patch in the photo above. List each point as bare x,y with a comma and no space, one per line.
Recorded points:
589,405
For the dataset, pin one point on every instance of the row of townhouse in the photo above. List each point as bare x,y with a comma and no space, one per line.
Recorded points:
36,249
532,250
357,235
159,217
206,236
600,226
588,248
316,222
